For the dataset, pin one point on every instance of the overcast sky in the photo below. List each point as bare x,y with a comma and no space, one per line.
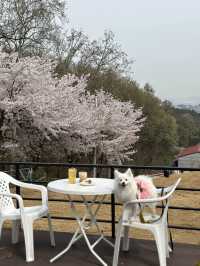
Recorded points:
162,36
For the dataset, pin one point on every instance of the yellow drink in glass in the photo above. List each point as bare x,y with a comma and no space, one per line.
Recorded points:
72,175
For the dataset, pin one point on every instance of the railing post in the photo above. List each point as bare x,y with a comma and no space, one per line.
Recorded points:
112,205
94,162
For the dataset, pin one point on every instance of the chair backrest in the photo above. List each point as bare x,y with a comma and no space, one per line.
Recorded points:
167,193
5,202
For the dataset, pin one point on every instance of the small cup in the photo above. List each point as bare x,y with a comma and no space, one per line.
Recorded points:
82,176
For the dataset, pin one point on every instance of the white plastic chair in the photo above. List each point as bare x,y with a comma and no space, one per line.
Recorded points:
27,215
159,228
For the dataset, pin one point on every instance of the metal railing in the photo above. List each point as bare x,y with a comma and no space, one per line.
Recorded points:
16,166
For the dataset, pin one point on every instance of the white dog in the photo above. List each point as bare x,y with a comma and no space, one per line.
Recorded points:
128,188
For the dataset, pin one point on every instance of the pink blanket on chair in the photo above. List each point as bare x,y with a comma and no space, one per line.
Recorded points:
144,188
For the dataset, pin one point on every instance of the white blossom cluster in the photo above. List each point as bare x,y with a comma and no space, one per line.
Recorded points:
32,95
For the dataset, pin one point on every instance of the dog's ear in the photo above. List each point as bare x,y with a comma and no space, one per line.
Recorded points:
116,173
129,172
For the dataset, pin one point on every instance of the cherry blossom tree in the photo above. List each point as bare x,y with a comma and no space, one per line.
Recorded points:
35,104
112,127
37,108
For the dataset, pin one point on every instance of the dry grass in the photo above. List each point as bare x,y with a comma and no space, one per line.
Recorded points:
177,217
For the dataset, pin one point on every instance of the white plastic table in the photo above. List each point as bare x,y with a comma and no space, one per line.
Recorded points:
102,187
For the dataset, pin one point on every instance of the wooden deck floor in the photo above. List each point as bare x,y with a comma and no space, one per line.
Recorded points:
142,253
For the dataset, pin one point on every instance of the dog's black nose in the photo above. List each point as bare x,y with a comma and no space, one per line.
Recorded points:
123,184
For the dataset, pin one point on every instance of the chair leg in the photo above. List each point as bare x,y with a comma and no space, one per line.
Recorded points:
52,238
117,243
159,234
167,247
28,237
15,231
125,245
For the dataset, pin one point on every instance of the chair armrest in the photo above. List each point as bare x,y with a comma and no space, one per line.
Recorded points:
14,196
143,201
42,189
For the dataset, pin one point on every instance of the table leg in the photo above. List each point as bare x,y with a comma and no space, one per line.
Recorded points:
82,227
76,236
94,220
72,241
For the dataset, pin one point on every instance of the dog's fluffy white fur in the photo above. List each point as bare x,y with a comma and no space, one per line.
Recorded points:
127,189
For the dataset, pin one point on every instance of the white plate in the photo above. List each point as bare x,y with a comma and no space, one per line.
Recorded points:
87,184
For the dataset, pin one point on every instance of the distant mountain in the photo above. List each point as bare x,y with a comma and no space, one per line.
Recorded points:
193,101
195,108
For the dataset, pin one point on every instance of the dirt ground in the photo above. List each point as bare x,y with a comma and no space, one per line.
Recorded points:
176,217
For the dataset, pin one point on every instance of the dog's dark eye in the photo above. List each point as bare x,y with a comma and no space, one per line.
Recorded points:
126,179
